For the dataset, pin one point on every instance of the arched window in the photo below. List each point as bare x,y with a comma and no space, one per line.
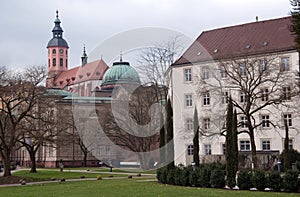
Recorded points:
49,63
61,62
54,61
53,51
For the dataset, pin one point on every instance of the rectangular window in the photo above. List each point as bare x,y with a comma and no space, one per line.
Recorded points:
286,93
188,74
242,69
262,66
206,98
224,149
54,61
189,124
245,145
223,72
206,123
190,149
290,144
266,145
243,121
242,97
265,94
188,100
207,149
107,150
205,73
284,64
224,97
265,121
288,119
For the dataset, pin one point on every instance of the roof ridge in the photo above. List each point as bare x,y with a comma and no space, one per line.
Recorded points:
244,24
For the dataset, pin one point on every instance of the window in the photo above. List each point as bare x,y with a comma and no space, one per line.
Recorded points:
207,149
290,144
224,97
265,94
288,119
244,122
262,66
265,121
107,150
49,63
244,145
223,72
188,100
61,62
54,61
190,149
53,51
242,67
188,74
284,64
189,124
266,145
206,98
224,149
66,63
286,93
242,97
205,73
206,123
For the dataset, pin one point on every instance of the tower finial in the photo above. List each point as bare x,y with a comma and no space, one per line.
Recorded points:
84,52
121,58
56,13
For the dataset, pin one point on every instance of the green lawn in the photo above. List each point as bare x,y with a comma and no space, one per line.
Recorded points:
48,174
125,187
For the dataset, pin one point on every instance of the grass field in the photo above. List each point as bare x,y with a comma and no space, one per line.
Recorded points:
125,187
143,186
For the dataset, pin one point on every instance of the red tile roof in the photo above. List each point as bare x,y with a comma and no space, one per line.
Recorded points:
91,71
247,39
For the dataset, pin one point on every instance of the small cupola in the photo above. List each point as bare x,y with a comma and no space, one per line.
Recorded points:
84,57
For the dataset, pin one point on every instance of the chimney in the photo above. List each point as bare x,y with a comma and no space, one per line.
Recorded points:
256,18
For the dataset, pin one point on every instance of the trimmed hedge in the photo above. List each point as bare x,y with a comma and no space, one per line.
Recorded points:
213,175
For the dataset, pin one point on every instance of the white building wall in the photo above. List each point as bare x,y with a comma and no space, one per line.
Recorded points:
216,112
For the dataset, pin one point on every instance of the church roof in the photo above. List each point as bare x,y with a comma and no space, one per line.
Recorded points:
235,41
90,71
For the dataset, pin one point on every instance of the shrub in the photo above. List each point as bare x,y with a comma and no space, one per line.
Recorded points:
170,176
177,176
184,176
204,176
161,175
130,176
244,180
53,179
290,181
138,175
62,180
217,178
82,177
274,180
259,180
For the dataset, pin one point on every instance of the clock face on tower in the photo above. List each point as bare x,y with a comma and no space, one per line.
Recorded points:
61,51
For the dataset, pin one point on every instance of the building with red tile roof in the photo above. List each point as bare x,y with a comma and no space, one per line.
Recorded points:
230,61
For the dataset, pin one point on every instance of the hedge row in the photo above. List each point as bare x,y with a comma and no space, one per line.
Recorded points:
213,175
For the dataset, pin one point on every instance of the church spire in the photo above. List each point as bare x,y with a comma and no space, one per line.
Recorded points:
84,57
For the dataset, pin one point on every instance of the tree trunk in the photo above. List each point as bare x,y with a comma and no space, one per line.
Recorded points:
85,158
253,148
286,151
33,162
7,171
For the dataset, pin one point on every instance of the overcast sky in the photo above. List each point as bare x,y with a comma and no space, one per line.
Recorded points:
26,24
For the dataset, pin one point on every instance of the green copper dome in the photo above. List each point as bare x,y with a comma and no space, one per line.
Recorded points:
120,73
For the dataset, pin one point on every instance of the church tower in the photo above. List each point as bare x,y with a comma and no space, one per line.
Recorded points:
57,53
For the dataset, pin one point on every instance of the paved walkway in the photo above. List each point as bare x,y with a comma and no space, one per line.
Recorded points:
84,179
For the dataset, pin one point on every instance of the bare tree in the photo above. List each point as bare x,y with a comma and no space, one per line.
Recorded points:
19,95
255,84
135,128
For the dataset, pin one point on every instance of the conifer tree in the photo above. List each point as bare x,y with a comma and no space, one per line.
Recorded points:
231,145
162,139
169,129
196,139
